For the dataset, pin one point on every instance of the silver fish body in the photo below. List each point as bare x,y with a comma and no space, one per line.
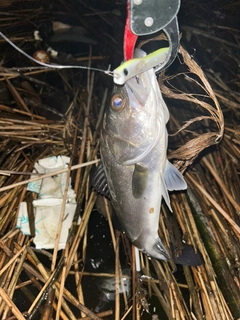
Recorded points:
134,155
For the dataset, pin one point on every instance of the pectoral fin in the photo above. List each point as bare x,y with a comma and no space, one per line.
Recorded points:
139,180
174,179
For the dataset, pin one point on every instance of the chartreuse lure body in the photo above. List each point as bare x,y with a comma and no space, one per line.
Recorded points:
136,66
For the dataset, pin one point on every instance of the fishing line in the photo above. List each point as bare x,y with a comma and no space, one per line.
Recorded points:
53,66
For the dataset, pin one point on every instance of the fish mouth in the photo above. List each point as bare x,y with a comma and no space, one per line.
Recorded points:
139,87
136,91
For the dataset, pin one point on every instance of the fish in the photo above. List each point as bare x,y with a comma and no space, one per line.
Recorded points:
134,171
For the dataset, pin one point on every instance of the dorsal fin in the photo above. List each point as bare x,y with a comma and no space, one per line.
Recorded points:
99,181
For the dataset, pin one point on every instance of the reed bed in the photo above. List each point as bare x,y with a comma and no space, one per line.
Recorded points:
204,143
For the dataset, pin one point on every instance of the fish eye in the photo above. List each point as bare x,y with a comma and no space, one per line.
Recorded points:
117,102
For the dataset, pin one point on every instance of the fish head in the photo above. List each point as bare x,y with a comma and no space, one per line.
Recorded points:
131,123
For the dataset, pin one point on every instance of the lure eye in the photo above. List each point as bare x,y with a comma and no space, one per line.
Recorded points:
118,102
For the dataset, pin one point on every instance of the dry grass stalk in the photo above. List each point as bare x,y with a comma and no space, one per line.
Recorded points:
236,228
191,149
11,305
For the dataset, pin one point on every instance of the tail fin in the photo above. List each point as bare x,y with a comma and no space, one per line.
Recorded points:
188,256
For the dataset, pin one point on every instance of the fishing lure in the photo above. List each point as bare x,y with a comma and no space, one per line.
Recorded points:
136,66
